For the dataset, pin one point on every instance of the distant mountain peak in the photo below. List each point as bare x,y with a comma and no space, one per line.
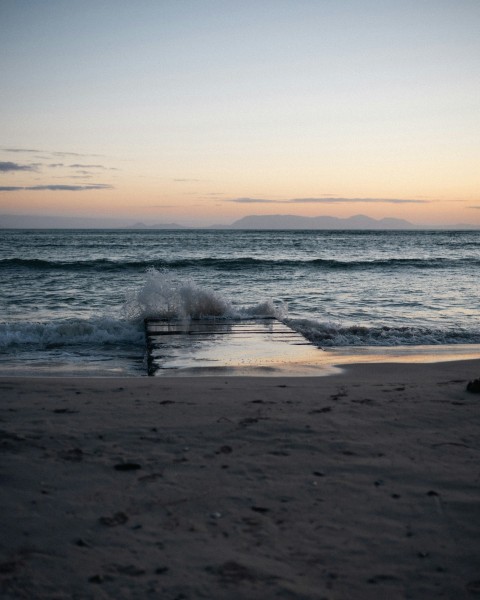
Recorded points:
321,222
157,226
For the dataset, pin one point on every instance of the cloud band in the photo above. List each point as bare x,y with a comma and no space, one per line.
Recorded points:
328,201
56,188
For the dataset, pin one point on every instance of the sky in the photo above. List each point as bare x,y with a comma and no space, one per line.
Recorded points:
204,111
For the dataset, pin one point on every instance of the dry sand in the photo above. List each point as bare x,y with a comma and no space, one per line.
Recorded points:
364,484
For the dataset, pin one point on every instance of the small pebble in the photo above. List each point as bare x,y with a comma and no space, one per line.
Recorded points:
474,386
260,509
118,518
127,467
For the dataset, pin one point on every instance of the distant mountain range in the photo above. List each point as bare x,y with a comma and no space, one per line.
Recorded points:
297,222
158,226
274,222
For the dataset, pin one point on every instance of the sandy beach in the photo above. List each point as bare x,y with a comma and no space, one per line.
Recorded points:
362,484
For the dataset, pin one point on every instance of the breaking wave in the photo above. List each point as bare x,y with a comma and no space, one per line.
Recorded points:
97,331
161,296
164,296
105,331
239,263
324,334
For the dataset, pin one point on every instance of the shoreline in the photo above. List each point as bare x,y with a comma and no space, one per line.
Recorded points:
319,362
363,484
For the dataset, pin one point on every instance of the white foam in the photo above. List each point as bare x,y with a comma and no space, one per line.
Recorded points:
165,296
93,331
330,334
266,308
162,296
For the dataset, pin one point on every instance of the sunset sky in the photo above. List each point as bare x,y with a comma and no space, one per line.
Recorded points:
204,111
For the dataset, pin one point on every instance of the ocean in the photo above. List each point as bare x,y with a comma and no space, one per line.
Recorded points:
72,302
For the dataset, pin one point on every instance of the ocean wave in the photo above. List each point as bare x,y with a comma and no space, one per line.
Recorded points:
417,263
104,331
96,331
233,264
71,265
164,296
325,334
105,264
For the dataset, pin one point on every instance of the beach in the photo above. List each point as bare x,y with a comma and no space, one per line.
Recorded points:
239,300
360,484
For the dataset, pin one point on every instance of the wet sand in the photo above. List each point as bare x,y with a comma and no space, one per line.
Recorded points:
362,484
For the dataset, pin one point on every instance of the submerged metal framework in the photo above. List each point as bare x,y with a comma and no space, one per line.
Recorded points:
210,346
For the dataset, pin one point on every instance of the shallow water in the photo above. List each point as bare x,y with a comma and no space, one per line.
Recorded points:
74,301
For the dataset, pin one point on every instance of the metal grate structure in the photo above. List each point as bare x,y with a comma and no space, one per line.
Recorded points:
213,346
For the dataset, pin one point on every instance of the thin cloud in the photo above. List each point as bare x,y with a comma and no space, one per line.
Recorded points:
70,154
71,188
81,166
47,153
20,150
329,201
358,200
476,207
57,188
185,180
6,167
256,201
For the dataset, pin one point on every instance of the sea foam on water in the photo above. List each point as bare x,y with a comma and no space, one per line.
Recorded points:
164,296
67,332
63,295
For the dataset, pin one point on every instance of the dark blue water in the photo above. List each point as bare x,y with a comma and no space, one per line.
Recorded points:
73,301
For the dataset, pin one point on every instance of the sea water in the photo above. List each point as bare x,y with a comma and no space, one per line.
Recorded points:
72,302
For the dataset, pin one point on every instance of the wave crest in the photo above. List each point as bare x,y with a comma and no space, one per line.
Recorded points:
95,331
327,334
236,264
164,296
